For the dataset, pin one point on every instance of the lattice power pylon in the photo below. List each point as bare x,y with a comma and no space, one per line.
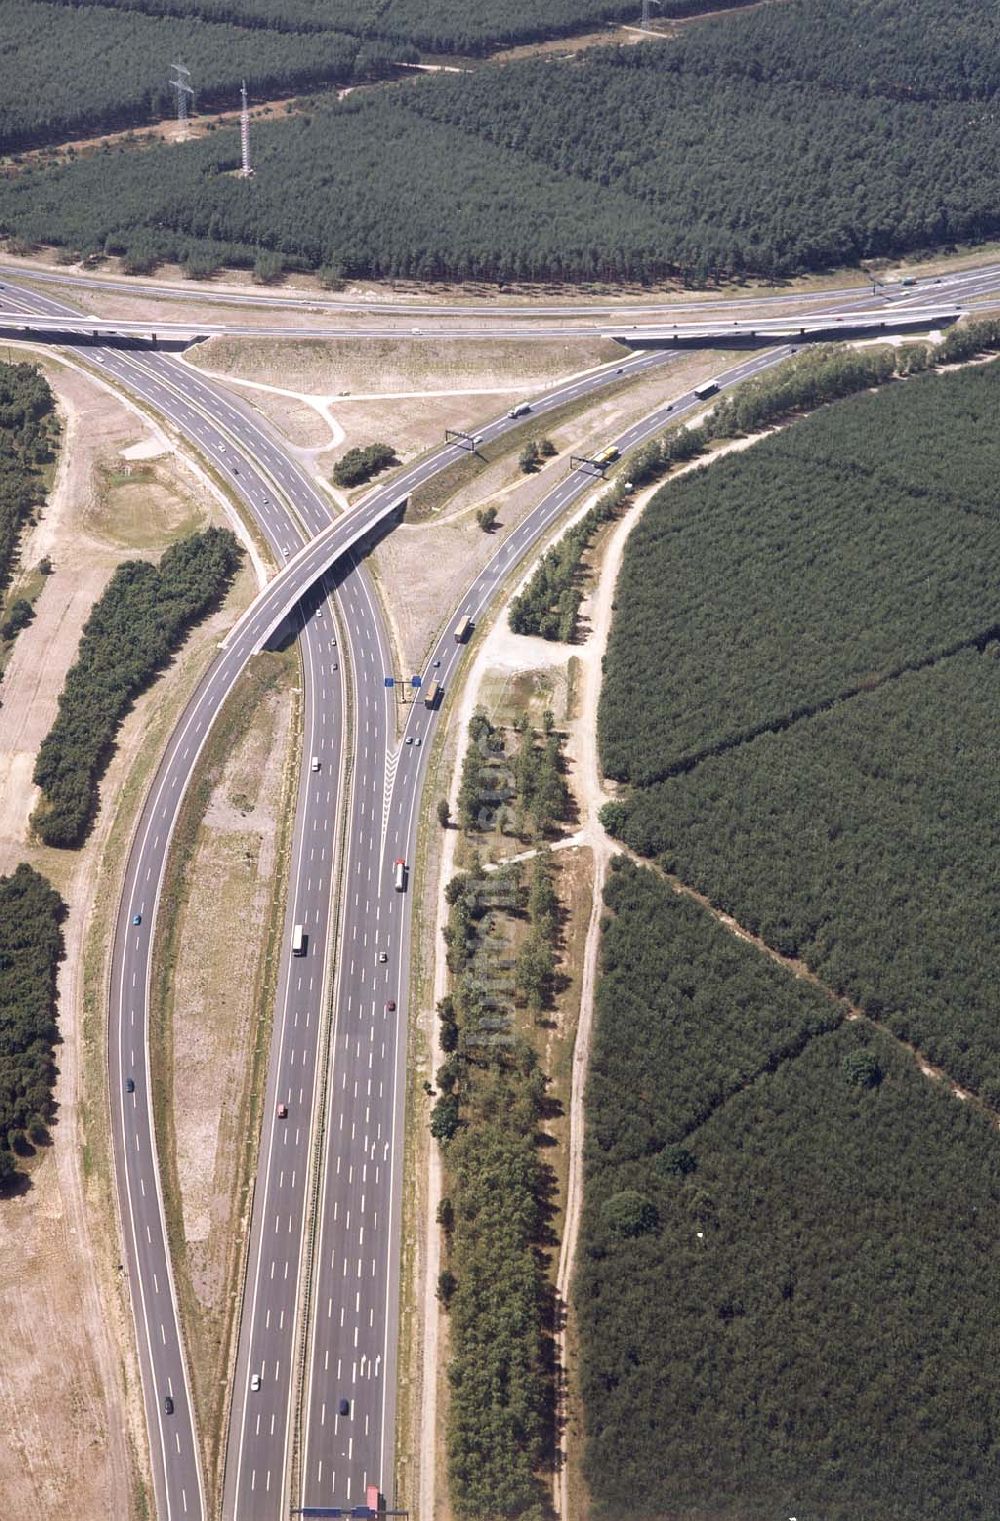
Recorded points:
246,168
180,80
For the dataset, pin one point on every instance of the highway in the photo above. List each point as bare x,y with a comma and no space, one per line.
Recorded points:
350,1337
899,315
960,285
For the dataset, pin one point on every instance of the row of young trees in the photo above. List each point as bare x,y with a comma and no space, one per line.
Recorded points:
751,1266
31,947
521,791
28,435
491,1099
549,605
135,626
781,579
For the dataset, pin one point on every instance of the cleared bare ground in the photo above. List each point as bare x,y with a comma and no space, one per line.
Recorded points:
69,1410
342,367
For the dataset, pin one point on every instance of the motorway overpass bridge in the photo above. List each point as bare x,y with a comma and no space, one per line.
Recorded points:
739,332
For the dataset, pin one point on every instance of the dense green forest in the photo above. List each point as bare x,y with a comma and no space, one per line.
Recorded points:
139,621
31,947
438,25
56,82
864,840
631,163
791,1311
738,1016
28,433
861,541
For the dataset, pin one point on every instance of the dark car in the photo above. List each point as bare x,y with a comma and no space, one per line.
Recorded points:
130,1085
390,1006
168,1405
343,1407
136,918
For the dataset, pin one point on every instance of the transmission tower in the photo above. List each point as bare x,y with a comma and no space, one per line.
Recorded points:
181,82
645,13
246,170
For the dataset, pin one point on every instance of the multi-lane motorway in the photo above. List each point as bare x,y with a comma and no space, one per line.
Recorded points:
362,774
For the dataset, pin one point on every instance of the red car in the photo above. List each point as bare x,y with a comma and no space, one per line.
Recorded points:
390,1007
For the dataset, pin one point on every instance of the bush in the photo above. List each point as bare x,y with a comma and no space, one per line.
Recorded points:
629,1213
359,465
20,615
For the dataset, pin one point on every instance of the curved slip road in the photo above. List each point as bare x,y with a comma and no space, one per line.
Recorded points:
352,1322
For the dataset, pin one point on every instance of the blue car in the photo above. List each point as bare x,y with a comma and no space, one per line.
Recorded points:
136,918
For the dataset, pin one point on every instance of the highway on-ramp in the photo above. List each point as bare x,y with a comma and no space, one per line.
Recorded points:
353,1290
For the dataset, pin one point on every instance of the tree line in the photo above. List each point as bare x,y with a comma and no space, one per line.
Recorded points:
490,1103
28,434
750,1268
549,605
31,947
134,627
779,580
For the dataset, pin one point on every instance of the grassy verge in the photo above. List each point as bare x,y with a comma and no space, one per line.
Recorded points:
209,1322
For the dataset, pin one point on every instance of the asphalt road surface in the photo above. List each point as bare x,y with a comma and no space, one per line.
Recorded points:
358,1094
961,284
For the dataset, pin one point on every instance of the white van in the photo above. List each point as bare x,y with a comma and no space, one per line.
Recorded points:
315,763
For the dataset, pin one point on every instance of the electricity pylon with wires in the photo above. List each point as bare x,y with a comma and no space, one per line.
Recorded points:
246,169
180,81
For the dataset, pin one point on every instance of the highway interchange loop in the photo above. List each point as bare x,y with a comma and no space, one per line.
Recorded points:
320,1315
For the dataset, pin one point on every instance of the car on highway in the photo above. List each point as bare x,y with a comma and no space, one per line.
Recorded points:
130,1085
282,1111
383,956
336,667
255,1382
390,1006
285,550
409,739
315,762
436,664
168,1405
136,918
417,740
343,1407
